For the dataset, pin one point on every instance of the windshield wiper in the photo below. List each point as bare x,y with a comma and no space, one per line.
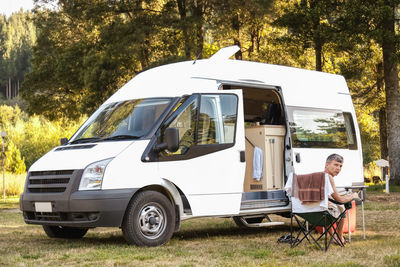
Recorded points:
121,137
85,140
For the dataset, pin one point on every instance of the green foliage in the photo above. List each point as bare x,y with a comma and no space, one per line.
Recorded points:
13,161
369,128
86,50
16,101
28,138
376,22
241,23
310,24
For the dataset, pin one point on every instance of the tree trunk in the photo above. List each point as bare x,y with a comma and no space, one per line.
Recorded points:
382,115
198,15
383,137
184,26
383,133
318,43
392,98
9,88
236,39
238,54
318,56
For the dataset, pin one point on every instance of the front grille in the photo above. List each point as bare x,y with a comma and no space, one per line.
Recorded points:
47,190
48,216
42,173
49,181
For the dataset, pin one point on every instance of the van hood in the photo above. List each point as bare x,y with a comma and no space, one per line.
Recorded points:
75,157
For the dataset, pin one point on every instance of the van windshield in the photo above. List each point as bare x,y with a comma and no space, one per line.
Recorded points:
129,119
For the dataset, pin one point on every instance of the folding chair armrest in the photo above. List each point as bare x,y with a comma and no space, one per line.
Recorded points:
347,205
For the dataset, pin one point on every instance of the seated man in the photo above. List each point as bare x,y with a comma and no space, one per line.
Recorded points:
333,167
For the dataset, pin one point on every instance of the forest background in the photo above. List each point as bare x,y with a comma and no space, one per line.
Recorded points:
64,58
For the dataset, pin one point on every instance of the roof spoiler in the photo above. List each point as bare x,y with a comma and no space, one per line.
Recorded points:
225,53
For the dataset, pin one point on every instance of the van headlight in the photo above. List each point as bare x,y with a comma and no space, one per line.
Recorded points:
93,174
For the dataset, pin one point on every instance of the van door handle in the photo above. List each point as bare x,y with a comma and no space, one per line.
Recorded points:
242,156
298,157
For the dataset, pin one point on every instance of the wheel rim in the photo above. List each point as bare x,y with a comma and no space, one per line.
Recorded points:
152,220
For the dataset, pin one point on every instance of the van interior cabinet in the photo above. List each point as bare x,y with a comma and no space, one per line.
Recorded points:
270,138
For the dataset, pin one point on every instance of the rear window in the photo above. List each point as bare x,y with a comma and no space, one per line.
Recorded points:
312,128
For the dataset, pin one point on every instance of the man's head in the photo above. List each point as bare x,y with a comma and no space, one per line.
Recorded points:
334,164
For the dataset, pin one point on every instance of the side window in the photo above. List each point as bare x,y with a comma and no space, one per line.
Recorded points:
185,122
217,119
206,120
318,129
312,128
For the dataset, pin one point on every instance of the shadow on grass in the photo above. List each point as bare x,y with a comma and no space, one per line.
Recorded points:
88,241
95,239
206,233
99,240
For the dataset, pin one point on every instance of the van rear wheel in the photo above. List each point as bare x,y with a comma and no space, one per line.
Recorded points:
149,219
64,232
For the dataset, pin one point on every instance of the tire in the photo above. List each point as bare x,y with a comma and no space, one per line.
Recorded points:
149,220
241,224
64,232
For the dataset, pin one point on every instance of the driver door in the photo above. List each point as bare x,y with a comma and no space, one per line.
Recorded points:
207,166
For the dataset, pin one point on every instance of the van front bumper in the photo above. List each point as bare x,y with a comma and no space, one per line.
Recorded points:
86,209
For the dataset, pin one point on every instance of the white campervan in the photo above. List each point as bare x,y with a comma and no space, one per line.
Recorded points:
213,137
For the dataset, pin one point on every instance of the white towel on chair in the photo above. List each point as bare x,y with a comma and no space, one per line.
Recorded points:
257,163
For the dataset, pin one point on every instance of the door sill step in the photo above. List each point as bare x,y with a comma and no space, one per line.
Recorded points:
266,224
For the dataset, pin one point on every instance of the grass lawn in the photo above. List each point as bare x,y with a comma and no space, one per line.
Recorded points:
205,242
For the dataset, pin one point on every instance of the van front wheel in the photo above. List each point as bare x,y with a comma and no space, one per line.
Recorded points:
149,219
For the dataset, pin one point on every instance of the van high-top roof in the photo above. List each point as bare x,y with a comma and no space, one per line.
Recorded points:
300,87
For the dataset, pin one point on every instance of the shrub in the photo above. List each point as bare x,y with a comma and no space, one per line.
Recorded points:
13,161
14,183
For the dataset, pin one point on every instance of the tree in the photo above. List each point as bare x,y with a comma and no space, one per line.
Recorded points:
375,21
241,23
87,49
361,64
309,22
17,36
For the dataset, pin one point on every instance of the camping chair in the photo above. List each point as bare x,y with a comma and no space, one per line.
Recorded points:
309,217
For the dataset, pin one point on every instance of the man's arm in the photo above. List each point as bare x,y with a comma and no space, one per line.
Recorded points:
342,199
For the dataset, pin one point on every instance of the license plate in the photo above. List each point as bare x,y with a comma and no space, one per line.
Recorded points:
43,207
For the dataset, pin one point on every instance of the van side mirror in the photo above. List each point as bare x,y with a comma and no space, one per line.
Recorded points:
63,141
171,143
